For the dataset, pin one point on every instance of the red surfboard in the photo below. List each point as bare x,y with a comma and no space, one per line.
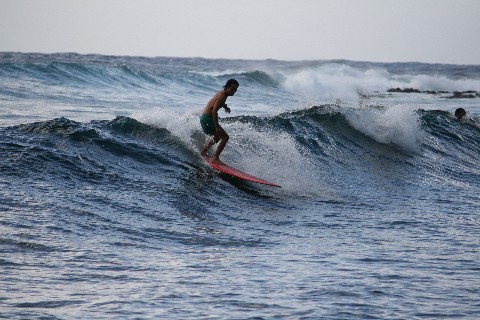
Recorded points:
237,173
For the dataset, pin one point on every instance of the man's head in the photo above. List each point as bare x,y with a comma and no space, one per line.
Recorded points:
231,82
460,113
231,87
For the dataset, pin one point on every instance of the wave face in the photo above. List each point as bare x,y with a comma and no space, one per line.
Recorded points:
108,210
303,145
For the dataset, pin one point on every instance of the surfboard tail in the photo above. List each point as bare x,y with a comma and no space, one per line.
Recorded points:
237,173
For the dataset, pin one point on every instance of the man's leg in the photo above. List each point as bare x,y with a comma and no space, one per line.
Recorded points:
223,141
208,145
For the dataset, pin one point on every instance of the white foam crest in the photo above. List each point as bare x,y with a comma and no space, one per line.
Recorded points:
440,83
275,157
399,124
220,73
335,81
180,124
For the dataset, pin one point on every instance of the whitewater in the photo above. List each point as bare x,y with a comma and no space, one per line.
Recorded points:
107,209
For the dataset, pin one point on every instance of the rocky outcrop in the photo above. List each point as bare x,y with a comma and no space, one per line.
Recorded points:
469,94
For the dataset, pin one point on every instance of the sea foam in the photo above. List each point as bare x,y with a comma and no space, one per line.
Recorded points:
333,81
398,124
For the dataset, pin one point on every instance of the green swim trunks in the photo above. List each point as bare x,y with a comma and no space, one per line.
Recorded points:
207,124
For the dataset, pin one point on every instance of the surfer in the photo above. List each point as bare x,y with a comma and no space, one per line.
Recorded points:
460,113
209,119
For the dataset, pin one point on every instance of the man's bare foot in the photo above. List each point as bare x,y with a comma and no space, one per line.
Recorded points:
204,151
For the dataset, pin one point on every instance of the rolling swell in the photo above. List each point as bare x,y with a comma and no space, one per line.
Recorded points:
320,128
85,174
332,124
82,175
94,195
82,75
337,146
98,141
121,155
262,78
323,136
452,148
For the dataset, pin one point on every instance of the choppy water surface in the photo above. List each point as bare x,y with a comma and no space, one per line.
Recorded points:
107,209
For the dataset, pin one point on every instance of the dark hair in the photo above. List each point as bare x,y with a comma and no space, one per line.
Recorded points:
231,82
460,112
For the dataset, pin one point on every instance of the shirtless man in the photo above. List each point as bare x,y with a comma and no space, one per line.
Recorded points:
209,119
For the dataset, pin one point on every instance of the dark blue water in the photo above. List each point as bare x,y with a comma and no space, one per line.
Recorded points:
107,210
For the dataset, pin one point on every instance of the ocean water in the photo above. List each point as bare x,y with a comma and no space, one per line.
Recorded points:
107,210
